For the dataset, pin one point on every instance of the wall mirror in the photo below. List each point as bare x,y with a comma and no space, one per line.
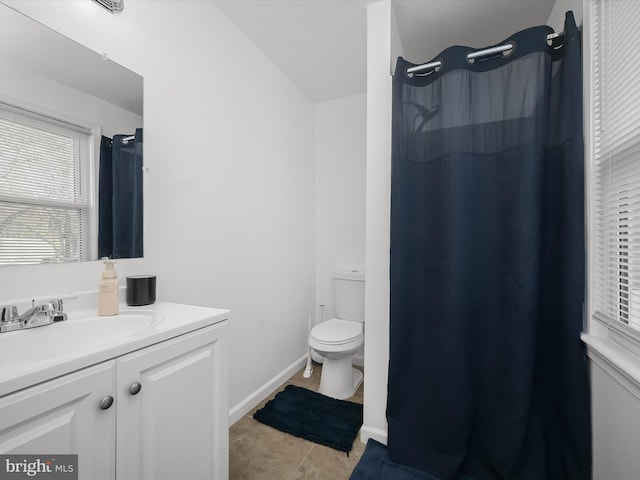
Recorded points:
64,109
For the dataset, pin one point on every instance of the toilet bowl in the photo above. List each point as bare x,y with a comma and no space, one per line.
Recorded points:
338,341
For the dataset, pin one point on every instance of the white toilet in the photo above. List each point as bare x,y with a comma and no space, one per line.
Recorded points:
338,339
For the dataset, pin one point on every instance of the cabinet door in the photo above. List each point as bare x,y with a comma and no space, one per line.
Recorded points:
63,416
176,426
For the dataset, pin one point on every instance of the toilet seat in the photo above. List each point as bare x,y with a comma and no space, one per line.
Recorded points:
336,332
337,341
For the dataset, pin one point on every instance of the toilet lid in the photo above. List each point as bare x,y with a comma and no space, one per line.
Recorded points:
336,331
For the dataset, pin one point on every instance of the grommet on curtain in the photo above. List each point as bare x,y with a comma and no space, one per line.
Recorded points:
555,40
428,68
435,69
487,54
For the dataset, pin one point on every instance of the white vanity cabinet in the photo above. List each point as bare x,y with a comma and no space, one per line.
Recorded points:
63,416
168,418
172,414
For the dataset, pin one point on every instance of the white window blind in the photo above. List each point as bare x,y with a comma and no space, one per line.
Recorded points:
46,198
616,160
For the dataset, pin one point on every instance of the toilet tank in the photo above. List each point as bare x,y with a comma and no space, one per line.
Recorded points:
348,295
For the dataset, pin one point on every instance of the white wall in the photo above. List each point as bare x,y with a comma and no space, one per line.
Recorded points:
340,193
379,41
616,416
229,195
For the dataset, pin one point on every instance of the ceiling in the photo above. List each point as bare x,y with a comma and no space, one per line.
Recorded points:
321,44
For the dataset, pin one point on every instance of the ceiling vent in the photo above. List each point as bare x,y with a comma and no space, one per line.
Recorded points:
111,5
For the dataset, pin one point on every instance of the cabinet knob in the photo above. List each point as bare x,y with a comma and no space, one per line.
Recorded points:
135,388
105,402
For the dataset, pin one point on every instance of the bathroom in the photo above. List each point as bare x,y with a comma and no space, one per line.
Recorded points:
248,179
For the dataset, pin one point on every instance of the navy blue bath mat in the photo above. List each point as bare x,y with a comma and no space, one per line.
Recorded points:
315,417
375,465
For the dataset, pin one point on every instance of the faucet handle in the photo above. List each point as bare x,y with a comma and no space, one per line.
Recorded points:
55,305
55,310
9,314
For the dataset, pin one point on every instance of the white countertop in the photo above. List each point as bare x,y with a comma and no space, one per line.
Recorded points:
31,356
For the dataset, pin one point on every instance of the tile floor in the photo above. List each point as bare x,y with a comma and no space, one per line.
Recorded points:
260,452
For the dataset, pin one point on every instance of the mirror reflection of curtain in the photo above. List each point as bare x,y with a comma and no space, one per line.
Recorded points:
120,197
488,377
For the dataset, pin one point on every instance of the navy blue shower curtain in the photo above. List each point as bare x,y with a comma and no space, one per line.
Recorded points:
487,374
120,197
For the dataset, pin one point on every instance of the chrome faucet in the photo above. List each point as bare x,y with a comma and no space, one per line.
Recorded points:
36,316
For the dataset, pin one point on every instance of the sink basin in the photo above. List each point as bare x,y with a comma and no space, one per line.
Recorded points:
107,329
51,342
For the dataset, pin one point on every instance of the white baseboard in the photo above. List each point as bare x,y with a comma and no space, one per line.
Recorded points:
371,432
249,403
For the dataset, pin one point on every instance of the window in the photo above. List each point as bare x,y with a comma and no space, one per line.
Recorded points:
615,170
46,189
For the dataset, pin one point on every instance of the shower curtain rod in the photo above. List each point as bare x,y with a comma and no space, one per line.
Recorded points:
473,55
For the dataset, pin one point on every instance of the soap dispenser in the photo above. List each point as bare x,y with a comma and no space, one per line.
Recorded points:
108,291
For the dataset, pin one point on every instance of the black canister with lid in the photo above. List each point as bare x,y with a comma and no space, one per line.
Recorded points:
141,290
